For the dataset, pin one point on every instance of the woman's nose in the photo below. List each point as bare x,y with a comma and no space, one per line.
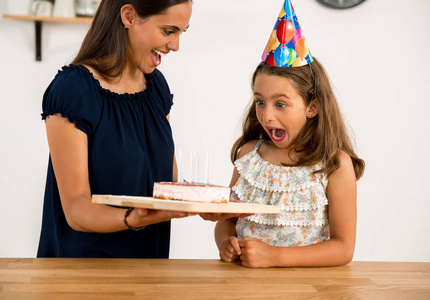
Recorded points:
174,44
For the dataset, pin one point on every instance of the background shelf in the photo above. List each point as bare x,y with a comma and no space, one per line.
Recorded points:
49,19
38,20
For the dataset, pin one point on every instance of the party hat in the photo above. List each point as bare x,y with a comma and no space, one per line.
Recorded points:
287,45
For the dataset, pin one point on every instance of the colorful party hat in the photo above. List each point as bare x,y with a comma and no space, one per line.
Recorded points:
287,45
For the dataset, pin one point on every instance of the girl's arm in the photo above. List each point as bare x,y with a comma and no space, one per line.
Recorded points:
225,231
226,235
69,153
226,240
339,250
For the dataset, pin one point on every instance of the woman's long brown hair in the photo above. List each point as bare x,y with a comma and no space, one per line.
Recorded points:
323,136
105,46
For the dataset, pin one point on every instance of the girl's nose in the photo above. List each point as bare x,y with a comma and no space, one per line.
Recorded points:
268,115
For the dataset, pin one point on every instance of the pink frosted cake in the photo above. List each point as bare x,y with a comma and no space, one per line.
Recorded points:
185,191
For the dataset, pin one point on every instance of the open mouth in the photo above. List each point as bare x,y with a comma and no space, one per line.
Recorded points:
156,56
276,134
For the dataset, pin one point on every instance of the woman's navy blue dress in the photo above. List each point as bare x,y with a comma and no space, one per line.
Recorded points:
130,147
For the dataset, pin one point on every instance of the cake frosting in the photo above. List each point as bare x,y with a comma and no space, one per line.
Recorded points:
195,192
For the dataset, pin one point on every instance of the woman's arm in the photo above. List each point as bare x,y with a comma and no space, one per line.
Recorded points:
69,153
339,250
175,165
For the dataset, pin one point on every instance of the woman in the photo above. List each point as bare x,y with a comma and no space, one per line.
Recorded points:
108,133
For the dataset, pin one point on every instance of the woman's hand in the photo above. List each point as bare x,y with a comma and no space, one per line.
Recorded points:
230,249
256,253
222,216
143,217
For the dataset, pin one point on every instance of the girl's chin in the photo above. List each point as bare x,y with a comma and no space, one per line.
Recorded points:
277,139
281,143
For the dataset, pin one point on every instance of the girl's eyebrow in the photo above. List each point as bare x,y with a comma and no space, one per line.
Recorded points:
279,96
273,96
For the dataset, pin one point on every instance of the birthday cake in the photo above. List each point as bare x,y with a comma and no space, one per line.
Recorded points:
185,191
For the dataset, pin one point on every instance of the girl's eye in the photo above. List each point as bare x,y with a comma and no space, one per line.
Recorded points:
259,102
281,105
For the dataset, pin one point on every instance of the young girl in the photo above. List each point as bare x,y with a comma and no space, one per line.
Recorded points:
294,152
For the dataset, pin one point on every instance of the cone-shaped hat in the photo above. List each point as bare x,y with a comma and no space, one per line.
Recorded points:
287,45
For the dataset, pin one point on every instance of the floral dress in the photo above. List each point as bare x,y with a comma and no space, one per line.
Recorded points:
300,193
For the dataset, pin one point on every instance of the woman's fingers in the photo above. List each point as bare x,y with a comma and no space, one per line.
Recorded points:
222,216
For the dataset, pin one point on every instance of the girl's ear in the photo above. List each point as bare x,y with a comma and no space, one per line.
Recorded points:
128,15
312,110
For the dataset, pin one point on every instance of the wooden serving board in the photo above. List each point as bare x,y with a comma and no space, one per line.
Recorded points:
188,206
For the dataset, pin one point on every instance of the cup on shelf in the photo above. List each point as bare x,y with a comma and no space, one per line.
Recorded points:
15,7
86,8
64,9
194,165
41,8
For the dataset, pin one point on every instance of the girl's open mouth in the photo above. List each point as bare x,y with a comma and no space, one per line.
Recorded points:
277,135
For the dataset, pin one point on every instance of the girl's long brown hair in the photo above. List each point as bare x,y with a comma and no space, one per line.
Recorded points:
323,136
105,45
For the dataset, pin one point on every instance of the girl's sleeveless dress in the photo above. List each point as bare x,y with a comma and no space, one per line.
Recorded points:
300,193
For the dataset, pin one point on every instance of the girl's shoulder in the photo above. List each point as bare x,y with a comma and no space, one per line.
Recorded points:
346,167
247,148
344,158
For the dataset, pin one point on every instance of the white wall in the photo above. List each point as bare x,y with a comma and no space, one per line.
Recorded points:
376,55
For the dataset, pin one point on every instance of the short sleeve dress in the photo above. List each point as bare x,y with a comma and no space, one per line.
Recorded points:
299,192
130,146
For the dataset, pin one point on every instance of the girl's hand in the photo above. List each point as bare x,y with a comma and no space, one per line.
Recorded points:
256,253
230,249
143,217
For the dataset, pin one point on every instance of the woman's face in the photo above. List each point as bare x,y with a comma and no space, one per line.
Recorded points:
280,109
152,38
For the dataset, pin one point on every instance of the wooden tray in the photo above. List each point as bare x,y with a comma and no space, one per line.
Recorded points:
195,207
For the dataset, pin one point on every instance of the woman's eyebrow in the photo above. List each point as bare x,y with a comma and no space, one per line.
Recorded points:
176,28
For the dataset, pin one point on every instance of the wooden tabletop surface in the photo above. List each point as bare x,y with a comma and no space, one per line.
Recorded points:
56,278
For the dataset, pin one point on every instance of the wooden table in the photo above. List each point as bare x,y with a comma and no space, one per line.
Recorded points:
54,278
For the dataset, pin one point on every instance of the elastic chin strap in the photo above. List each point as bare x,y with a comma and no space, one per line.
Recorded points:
312,91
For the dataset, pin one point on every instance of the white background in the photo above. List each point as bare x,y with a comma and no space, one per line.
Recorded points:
376,54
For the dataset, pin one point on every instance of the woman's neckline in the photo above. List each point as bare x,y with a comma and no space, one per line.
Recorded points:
107,91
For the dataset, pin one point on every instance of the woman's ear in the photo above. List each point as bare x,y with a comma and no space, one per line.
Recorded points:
128,15
312,110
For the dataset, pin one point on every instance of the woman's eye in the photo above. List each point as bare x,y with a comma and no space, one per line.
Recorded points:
168,32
